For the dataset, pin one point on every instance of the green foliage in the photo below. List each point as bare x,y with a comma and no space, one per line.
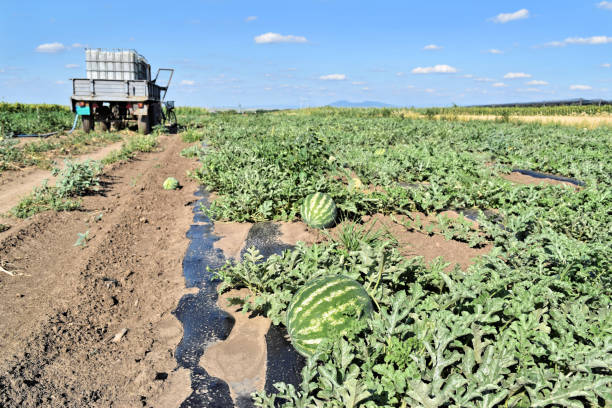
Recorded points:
20,118
43,198
140,143
82,238
192,151
77,179
497,335
528,325
4,227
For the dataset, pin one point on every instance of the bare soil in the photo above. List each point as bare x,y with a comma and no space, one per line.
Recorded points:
92,325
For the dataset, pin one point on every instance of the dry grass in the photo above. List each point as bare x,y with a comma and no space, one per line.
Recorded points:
579,121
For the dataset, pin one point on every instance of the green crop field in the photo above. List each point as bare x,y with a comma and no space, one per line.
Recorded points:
529,324
18,118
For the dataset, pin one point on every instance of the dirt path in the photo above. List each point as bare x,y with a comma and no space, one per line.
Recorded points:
16,185
92,326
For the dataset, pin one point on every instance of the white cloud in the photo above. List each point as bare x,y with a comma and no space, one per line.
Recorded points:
437,69
537,82
432,47
358,83
483,79
250,18
606,65
71,66
275,38
468,76
498,85
267,89
51,48
333,77
79,45
594,40
528,90
606,5
506,17
515,75
494,51
187,82
580,87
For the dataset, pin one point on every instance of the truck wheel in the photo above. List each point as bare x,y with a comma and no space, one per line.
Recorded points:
102,125
144,124
87,121
103,122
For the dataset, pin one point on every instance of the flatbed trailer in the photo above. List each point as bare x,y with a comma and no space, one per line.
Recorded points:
114,103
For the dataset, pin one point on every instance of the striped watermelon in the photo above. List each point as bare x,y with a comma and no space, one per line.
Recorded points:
323,309
318,210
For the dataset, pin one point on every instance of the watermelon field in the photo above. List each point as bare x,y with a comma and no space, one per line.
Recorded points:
528,324
453,263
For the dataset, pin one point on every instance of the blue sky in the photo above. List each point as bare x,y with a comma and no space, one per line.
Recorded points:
309,53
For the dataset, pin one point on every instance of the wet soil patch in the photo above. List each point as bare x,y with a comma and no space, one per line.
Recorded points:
203,322
533,177
265,237
209,342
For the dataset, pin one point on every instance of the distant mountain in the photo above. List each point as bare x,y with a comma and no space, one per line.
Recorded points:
364,104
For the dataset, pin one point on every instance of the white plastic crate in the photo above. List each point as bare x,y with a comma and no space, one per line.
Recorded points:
116,64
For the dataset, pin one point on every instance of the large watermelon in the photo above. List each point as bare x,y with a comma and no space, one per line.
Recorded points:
325,308
318,210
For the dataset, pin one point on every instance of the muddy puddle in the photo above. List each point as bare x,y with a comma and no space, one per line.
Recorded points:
229,354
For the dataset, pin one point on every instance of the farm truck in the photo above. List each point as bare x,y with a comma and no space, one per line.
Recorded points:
119,91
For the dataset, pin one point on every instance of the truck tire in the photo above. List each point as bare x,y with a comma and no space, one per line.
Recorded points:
103,122
115,125
102,125
144,124
87,121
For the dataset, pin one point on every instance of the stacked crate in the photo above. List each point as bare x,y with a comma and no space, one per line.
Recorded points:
116,64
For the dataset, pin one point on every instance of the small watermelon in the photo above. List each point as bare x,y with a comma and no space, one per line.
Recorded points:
355,184
318,210
170,183
325,308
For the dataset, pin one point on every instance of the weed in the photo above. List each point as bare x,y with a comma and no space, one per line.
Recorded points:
43,198
77,179
82,238
140,143
192,151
